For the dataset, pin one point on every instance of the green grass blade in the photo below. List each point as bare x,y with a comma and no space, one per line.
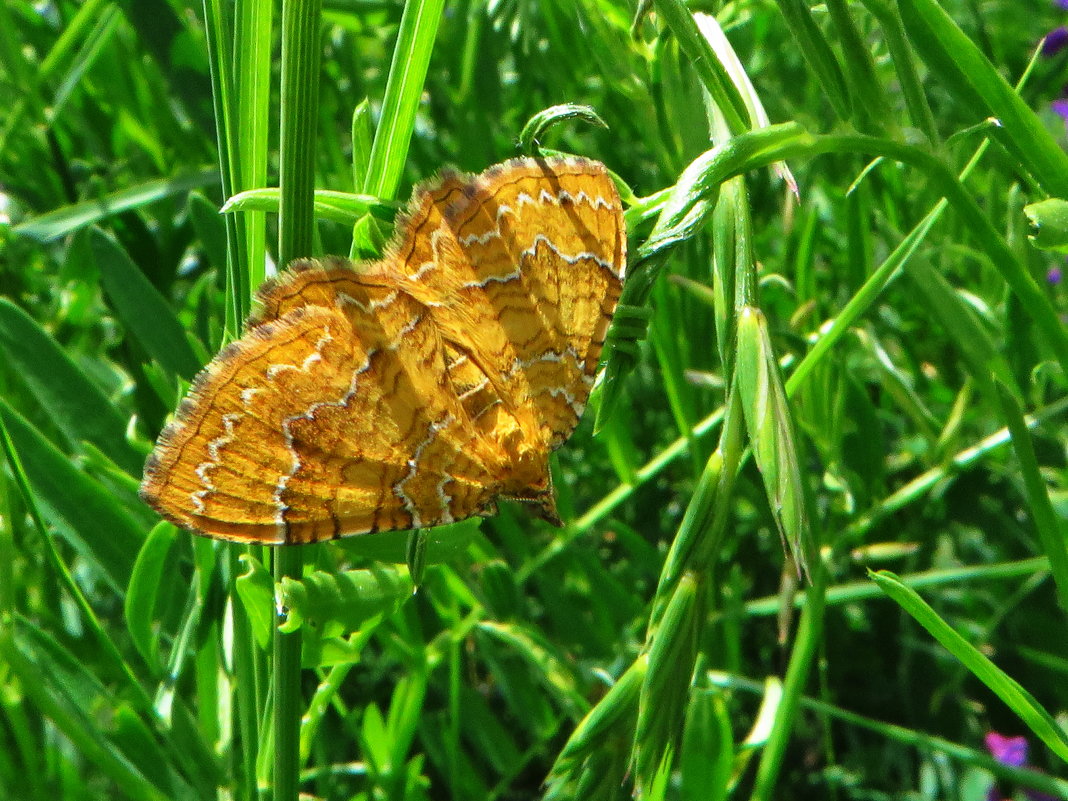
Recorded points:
142,309
65,699
963,68
818,53
75,405
146,581
57,224
220,46
252,75
84,512
342,207
704,61
1002,685
407,74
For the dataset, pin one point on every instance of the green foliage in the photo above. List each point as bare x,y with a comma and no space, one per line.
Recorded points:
835,327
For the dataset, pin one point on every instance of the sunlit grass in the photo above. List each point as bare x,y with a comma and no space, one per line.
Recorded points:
870,371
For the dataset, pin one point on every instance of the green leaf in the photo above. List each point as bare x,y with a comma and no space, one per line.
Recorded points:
333,604
256,591
56,224
815,48
210,228
442,544
957,62
406,708
404,89
536,127
1001,684
966,329
143,310
545,661
1049,224
134,739
65,691
74,403
342,207
706,63
141,594
84,512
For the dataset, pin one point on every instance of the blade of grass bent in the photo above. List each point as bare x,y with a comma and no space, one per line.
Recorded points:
1021,776
68,219
1006,688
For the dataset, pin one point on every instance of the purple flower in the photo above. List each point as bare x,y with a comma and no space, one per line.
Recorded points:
1060,108
1061,4
1055,41
1007,750
1054,276
1010,751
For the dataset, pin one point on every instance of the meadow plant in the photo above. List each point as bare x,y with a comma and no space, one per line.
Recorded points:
841,351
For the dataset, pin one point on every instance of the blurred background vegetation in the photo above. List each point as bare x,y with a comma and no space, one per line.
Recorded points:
590,655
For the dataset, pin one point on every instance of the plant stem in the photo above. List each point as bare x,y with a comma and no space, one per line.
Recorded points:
300,94
286,697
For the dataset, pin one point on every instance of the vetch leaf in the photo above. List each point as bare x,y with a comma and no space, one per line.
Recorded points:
1049,224
256,591
337,603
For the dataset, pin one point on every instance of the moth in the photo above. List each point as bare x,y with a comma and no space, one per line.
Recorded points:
412,391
